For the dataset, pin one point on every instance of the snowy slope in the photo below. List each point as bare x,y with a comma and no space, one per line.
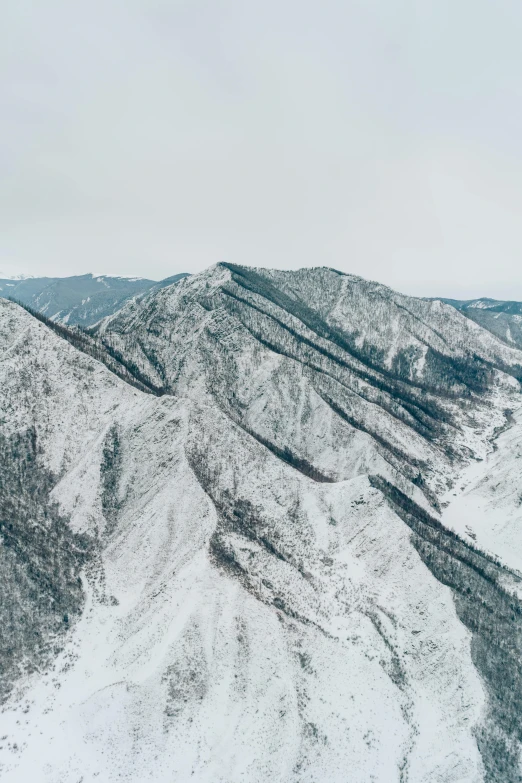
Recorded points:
486,505
503,319
267,593
346,381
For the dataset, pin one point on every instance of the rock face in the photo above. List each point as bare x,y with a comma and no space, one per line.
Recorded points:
82,299
278,551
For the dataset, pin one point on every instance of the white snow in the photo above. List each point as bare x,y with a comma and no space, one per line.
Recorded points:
486,503
180,669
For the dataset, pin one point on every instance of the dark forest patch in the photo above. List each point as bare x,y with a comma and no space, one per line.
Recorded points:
41,592
110,474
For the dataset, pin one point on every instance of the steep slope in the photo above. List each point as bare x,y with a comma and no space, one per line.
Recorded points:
503,319
266,589
379,376
81,299
486,505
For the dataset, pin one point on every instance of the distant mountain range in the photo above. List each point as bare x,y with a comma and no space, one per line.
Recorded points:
80,299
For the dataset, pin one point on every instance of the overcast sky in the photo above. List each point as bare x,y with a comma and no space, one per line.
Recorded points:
150,137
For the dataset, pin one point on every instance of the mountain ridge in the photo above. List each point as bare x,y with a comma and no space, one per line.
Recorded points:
273,585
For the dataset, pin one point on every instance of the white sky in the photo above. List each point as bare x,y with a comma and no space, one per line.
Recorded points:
380,137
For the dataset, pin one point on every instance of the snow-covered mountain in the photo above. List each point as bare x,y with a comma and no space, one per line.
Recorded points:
502,318
81,299
276,538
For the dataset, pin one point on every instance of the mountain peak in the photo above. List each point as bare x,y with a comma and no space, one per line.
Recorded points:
242,510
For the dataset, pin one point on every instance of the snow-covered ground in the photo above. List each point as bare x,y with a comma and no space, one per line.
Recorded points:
486,503
245,618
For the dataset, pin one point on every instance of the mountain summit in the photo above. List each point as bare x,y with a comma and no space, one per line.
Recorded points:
261,525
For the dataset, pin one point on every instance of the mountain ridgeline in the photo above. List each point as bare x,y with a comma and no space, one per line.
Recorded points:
392,367
224,524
